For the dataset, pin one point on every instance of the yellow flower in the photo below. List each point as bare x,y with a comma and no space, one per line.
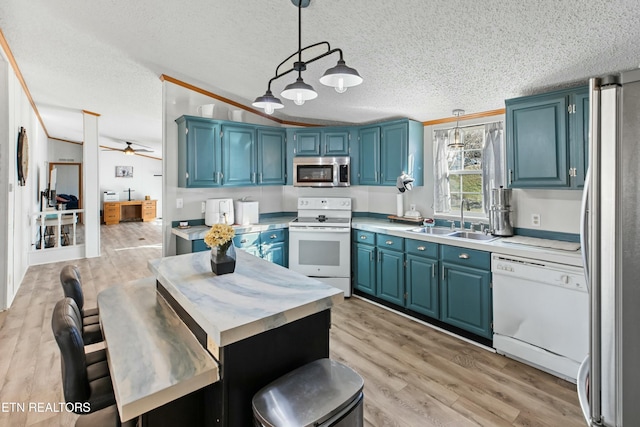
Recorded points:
219,235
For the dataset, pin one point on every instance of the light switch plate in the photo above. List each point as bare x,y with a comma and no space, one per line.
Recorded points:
179,203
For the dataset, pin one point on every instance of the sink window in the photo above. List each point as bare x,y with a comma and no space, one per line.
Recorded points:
469,172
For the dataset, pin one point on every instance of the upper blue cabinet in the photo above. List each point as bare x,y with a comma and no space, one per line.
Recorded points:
199,152
213,153
547,139
326,141
385,150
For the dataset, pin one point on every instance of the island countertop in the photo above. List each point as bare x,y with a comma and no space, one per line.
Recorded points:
257,297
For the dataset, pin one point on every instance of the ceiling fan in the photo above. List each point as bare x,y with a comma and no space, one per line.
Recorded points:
129,150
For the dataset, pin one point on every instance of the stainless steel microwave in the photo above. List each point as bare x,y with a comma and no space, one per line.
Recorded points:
321,171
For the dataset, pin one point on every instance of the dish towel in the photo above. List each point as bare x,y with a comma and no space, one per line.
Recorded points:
543,243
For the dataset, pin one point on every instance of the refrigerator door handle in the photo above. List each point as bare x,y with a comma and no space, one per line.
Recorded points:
584,226
583,388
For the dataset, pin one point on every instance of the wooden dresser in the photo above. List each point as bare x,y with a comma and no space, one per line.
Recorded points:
133,210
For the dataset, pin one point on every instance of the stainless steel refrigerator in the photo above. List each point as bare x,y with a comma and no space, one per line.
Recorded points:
609,378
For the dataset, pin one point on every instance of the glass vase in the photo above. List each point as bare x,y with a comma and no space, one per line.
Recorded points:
223,258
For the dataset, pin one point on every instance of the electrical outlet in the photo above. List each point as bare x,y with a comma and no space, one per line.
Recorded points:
412,206
179,203
535,220
204,207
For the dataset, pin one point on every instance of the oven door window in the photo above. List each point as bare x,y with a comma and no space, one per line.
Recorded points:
320,254
315,173
313,252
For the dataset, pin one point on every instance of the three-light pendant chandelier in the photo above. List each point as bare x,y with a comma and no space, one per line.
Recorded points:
339,77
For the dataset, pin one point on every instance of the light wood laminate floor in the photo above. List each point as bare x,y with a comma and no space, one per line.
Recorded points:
414,375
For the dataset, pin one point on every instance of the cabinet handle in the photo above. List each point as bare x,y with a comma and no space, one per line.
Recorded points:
243,241
421,248
253,177
376,176
443,272
464,256
371,256
273,236
389,242
260,177
510,176
325,148
433,270
363,237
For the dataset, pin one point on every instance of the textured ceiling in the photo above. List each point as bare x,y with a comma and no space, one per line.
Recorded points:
418,58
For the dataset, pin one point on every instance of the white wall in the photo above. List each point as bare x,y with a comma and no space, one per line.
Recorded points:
61,151
146,180
17,203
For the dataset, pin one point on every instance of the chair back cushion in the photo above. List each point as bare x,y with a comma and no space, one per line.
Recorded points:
67,329
72,284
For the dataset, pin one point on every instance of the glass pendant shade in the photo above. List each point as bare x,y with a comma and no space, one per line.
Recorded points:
299,92
457,140
268,102
341,77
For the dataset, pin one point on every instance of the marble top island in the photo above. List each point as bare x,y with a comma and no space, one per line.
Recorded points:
257,297
260,322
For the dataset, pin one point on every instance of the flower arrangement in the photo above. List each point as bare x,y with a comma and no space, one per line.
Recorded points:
219,235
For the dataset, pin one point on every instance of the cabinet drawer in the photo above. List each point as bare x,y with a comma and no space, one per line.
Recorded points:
364,237
466,257
148,204
390,242
273,236
111,217
246,240
421,248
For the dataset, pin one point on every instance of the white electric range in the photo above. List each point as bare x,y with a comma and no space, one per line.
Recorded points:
319,240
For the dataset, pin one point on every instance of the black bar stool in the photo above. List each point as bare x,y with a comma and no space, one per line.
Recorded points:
72,287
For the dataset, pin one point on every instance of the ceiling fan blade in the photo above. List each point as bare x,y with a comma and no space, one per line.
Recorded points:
143,150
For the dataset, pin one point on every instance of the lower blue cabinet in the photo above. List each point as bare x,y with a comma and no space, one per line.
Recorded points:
465,290
270,245
448,283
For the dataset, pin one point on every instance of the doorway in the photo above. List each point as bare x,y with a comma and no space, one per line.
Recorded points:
68,181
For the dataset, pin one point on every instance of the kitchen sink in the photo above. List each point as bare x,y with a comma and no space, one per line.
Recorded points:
472,235
431,230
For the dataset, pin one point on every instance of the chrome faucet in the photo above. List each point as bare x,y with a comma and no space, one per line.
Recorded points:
462,203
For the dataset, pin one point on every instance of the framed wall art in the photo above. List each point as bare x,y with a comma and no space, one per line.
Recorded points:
124,171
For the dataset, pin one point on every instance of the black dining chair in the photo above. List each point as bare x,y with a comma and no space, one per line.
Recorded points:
85,377
72,288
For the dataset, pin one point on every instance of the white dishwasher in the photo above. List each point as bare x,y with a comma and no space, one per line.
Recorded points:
540,313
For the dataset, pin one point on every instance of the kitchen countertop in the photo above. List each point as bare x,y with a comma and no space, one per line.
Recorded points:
573,258
257,297
197,232
153,357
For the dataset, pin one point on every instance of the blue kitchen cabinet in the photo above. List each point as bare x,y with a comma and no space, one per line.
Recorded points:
199,153
212,153
325,141
307,142
387,149
248,242
369,159
271,245
390,268
274,246
271,156
421,277
364,261
546,139
239,155
465,289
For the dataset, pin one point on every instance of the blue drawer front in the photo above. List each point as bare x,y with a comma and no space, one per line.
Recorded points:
246,240
273,236
366,237
421,248
199,246
466,257
390,242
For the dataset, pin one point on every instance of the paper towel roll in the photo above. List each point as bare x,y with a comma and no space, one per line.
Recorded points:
399,207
